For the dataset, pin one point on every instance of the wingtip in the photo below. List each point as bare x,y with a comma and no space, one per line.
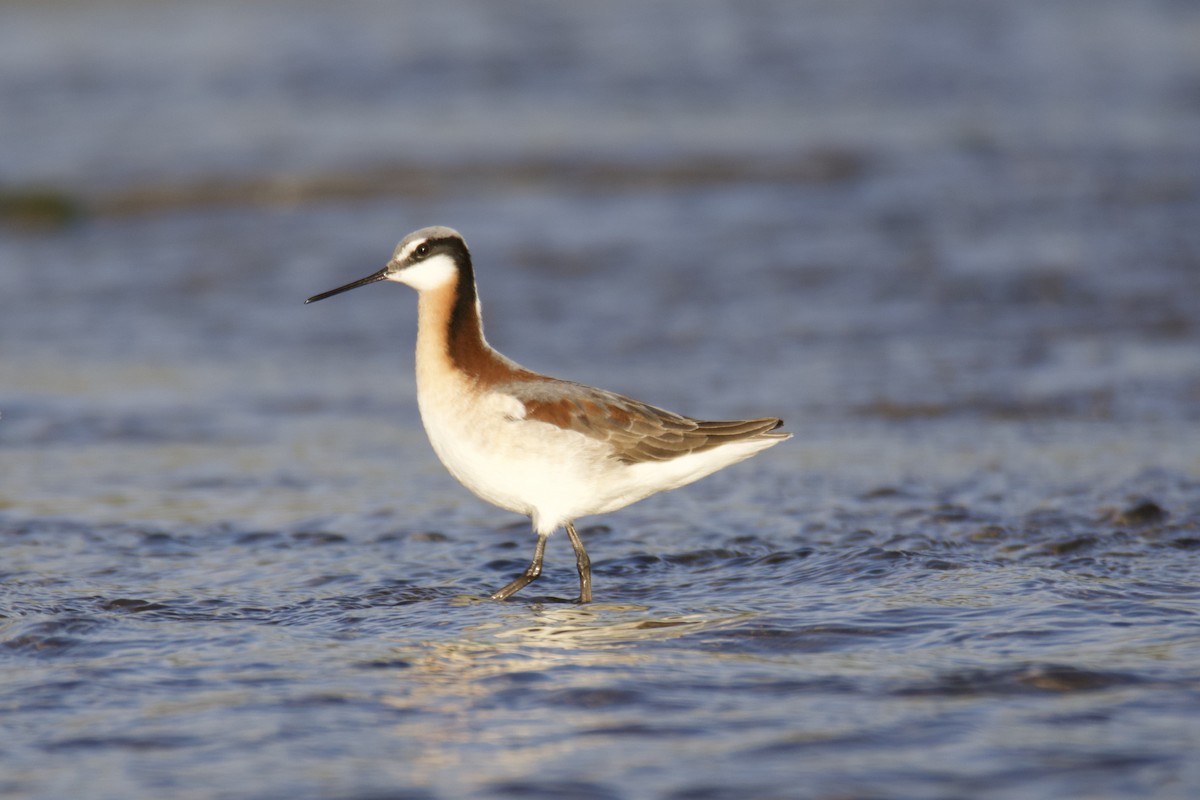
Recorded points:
781,436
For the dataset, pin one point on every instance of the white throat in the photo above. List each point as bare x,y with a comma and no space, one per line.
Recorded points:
431,273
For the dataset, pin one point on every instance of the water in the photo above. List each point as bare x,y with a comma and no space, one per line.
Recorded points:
953,245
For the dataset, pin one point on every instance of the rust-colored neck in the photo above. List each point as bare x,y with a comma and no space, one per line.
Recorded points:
450,334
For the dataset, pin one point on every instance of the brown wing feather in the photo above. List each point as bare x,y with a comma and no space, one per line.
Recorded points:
636,431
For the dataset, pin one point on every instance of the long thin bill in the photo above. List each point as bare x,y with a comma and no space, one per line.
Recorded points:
378,276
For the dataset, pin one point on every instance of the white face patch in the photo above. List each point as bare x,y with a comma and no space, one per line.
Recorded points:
431,273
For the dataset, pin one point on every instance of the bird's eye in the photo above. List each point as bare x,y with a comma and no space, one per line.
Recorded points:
422,250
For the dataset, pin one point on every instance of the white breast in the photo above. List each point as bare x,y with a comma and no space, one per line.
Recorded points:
524,466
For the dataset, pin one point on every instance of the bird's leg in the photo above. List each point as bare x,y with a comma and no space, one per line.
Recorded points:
583,563
529,575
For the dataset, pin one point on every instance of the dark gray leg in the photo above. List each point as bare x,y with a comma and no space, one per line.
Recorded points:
583,563
528,576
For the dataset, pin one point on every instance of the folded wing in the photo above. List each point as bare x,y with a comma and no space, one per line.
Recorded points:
635,431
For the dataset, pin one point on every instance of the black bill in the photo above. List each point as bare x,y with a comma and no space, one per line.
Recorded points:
378,276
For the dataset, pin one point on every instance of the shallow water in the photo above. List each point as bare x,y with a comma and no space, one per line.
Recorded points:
953,245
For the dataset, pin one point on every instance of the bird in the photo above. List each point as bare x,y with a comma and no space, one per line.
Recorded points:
553,450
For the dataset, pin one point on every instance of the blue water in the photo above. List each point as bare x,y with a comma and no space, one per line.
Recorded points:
953,245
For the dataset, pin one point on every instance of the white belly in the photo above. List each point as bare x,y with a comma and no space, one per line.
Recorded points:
529,467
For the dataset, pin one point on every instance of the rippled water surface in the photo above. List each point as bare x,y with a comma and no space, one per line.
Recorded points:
953,245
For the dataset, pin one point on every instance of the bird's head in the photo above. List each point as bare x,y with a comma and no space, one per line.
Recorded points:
425,259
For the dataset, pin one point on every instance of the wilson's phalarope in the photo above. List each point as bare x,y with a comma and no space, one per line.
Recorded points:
551,449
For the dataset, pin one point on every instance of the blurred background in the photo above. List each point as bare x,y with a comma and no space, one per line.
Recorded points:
896,211
955,245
